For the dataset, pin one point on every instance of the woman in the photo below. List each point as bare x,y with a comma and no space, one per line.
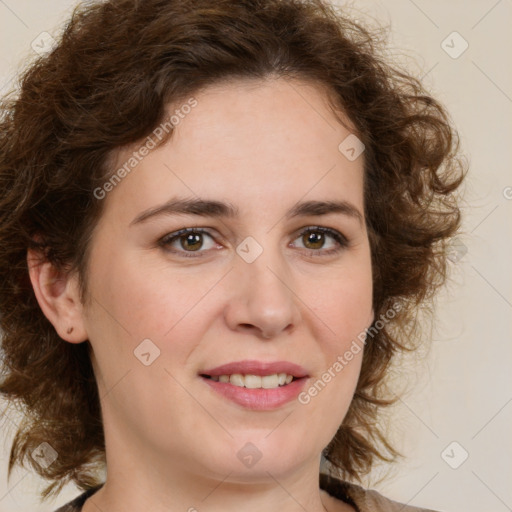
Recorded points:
218,220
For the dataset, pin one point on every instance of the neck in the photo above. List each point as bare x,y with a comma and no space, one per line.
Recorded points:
139,487
142,478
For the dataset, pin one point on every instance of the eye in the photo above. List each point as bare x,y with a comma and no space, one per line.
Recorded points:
322,240
188,240
194,242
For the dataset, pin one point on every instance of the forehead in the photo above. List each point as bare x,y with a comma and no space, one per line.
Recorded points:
252,141
286,118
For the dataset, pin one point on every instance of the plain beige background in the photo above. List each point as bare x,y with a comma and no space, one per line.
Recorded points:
460,405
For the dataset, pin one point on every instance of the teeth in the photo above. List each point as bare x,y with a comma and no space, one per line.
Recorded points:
237,380
270,381
251,381
256,381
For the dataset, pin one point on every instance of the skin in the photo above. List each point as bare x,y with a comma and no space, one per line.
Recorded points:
171,441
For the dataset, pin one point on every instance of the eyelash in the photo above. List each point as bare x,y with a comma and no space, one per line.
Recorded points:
341,240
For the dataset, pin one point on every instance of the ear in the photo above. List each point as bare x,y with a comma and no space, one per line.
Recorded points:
58,296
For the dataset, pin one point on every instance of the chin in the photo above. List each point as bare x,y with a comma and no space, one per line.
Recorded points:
260,459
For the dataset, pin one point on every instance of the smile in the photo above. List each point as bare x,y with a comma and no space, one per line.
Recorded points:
257,385
255,381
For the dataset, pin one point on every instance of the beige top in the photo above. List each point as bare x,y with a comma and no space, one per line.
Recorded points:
363,500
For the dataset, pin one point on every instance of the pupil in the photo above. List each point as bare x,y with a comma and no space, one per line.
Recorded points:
315,239
191,240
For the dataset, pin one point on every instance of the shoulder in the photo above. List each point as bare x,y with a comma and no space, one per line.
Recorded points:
77,504
363,500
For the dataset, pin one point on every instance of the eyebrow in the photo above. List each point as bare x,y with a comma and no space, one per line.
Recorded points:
211,208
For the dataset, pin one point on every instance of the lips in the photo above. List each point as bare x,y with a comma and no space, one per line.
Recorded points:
238,388
253,367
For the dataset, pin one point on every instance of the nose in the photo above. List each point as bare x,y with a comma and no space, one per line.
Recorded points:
262,300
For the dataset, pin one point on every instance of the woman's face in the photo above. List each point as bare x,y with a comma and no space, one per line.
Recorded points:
272,278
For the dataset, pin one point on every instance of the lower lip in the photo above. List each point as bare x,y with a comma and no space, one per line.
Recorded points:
258,399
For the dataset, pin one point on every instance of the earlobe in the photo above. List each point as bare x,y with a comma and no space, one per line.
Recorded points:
57,293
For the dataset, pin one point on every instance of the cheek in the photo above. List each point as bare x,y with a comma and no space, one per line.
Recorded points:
147,302
346,311
344,304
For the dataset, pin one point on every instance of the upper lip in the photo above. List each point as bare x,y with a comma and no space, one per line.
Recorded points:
254,367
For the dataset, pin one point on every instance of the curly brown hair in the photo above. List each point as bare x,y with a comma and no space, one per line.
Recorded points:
105,85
